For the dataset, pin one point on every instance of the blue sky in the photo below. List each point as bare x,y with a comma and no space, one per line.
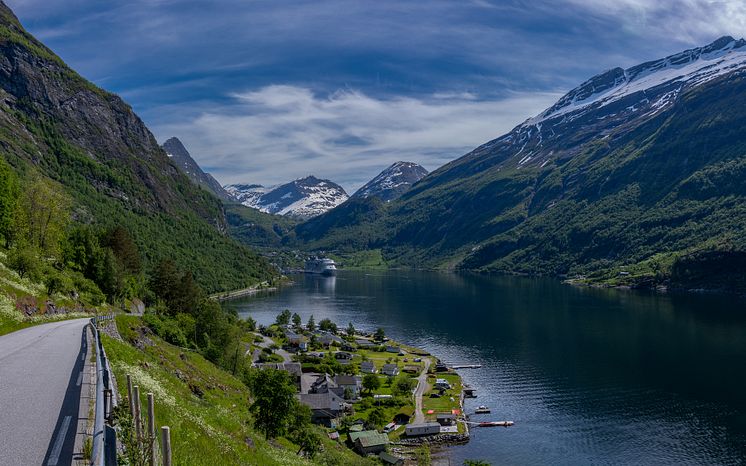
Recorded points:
265,91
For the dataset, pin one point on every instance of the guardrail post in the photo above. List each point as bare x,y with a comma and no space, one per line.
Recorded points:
137,418
166,447
151,429
129,396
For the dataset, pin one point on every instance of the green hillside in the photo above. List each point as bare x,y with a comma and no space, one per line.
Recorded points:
660,194
55,124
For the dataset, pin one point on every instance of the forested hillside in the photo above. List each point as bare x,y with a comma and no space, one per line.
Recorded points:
637,173
59,130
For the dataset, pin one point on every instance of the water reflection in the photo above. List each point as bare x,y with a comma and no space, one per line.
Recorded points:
589,375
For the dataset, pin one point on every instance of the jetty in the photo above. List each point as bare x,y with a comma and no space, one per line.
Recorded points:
466,366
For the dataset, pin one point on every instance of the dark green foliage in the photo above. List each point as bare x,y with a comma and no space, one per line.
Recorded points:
9,193
328,326
311,325
274,401
371,382
377,418
283,318
24,259
380,334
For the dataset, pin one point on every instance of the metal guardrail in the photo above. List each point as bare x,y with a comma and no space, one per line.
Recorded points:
105,401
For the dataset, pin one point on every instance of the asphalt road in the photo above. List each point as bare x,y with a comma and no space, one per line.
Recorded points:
419,416
40,379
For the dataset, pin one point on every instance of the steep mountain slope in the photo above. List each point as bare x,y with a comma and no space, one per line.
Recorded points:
181,157
54,122
642,165
392,182
303,198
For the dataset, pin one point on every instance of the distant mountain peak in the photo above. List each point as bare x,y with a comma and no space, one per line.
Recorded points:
392,182
302,198
178,154
694,66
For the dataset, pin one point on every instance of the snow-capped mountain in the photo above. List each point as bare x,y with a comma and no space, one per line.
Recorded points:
303,198
184,161
392,182
612,102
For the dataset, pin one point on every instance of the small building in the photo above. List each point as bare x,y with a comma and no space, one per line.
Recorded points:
442,384
347,347
322,384
388,458
411,369
369,441
349,382
390,369
325,407
367,367
327,339
342,355
427,428
446,419
366,344
392,349
404,415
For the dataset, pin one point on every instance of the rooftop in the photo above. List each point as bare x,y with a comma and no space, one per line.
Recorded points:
369,438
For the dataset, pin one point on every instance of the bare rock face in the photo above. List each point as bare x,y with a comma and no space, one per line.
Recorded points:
70,128
182,158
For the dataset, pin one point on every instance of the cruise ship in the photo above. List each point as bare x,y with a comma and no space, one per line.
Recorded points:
321,266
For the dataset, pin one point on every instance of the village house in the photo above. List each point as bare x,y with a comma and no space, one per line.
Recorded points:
367,367
390,369
342,355
411,369
325,407
326,339
369,441
365,344
349,382
427,428
442,384
392,349
388,458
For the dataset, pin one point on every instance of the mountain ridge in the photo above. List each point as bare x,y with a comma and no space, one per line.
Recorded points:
599,186
57,124
301,198
392,182
180,155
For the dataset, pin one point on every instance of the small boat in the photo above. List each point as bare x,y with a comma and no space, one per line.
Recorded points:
482,410
496,424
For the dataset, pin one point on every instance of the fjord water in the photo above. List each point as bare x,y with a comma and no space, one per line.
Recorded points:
590,376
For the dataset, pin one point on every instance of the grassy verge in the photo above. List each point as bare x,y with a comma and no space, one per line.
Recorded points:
15,290
206,407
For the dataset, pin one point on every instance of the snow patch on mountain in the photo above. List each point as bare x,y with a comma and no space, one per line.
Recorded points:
303,198
392,182
691,67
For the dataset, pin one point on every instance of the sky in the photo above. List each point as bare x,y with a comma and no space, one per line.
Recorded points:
266,91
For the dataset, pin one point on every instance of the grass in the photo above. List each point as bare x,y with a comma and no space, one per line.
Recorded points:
444,403
206,408
14,288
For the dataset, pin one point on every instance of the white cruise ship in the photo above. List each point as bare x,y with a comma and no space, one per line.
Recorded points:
321,266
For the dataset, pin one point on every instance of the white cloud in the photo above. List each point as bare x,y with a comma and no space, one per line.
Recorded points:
688,21
279,133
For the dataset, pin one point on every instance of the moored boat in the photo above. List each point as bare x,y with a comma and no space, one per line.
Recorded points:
322,266
482,410
496,424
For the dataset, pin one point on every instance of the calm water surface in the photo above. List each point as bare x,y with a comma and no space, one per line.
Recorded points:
589,376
